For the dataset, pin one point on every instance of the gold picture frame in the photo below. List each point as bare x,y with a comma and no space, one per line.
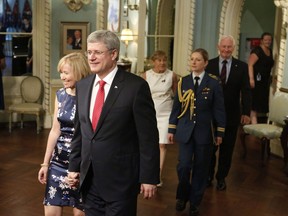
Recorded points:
70,41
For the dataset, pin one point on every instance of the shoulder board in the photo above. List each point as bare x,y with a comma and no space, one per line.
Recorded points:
187,75
213,76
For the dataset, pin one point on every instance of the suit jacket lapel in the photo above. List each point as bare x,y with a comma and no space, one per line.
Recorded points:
233,69
87,97
217,67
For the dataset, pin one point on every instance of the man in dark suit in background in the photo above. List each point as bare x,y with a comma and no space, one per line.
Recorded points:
236,89
77,40
118,156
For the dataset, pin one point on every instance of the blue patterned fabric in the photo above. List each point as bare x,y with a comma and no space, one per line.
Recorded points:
57,192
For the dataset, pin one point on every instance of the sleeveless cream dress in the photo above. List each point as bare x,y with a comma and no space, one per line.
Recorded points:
161,89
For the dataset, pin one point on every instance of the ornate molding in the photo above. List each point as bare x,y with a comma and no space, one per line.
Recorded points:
183,35
41,51
75,5
281,3
100,11
230,20
46,53
280,58
191,32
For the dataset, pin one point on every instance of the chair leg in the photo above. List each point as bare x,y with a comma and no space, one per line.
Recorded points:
242,140
265,150
38,123
268,149
21,124
10,122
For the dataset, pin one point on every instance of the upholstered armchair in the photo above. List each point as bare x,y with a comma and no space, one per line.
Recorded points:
31,89
278,110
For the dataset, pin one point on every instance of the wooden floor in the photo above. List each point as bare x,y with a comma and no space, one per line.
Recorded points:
252,190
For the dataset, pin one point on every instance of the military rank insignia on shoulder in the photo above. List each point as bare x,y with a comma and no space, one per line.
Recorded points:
214,76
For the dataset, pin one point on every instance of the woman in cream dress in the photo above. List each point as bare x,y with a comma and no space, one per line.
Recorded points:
163,84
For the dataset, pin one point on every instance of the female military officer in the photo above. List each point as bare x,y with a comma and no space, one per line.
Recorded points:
198,115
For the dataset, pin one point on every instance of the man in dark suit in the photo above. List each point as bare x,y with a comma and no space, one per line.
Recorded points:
236,90
118,157
77,40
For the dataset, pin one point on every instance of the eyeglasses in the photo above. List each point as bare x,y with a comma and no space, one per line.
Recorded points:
97,53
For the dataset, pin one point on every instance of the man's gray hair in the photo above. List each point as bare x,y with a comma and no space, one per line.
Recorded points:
223,37
110,39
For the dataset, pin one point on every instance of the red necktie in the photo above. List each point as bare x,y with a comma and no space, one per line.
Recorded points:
98,104
223,72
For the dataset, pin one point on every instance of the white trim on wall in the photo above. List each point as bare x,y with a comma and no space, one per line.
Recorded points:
183,39
230,20
281,65
41,51
100,11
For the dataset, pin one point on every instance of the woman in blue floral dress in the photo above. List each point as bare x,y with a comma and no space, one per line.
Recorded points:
54,168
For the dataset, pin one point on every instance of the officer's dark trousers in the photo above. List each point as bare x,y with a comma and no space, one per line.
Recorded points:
194,158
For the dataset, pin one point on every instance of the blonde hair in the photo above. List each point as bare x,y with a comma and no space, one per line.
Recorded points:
78,63
158,55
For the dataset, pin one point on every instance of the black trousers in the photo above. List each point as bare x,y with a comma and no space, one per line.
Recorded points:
225,154
193,169
95,205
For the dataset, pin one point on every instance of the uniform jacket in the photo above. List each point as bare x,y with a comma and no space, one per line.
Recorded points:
124,148
236,86
208,111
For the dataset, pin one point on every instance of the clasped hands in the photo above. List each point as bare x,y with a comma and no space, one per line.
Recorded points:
148,190
72,179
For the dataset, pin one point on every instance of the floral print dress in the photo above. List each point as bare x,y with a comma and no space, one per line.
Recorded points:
58,193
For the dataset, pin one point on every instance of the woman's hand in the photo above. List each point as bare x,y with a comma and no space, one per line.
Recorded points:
42,175
171,138
218,141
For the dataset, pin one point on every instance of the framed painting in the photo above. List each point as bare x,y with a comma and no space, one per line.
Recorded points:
113,15
73,37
